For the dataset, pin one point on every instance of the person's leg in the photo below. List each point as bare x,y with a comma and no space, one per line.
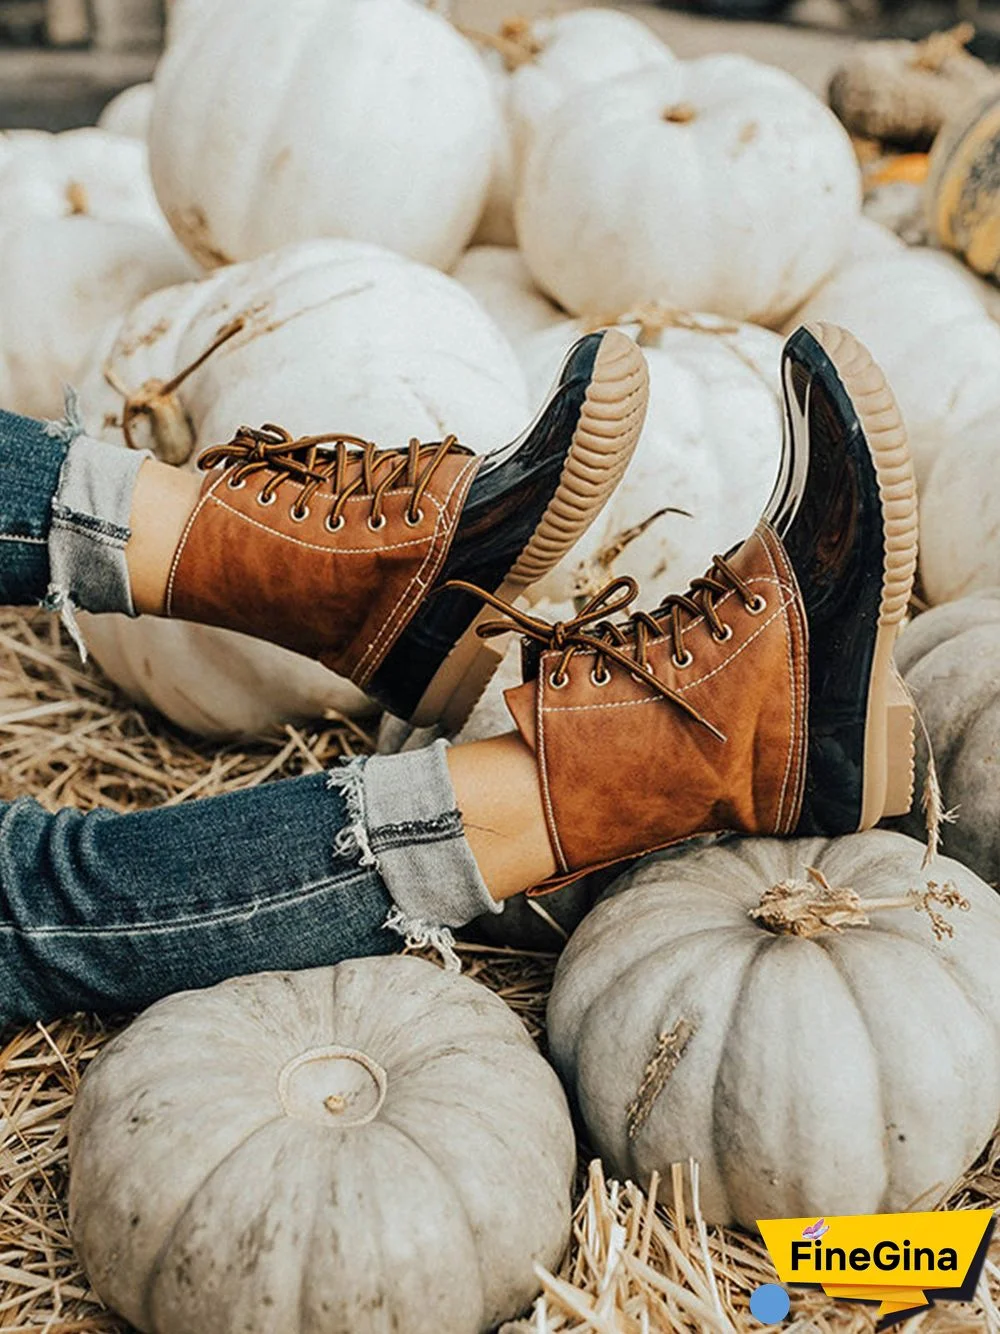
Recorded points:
769,685
109,912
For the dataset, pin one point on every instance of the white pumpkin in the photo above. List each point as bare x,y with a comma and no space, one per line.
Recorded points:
327,335
84,171
537,64
368,1147
365,119
710,448
959,503
129,112
985,289
499,280
808,1070
870,239
948,658
927,328
215,683
718,184
61,281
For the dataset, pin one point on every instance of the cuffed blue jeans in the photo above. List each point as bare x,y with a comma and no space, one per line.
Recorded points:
108,912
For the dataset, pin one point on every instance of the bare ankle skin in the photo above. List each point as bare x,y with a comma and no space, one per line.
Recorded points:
163,502
496,784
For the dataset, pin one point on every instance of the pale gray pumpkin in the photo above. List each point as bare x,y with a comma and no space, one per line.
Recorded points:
949,659
840,1072
370,1148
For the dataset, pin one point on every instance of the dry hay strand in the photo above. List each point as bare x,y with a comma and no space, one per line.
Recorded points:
638,1262
642,1262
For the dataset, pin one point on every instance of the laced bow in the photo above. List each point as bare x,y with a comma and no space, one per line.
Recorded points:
627,644
305,461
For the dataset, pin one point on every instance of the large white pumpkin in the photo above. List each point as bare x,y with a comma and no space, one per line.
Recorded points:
536,65
84,171
948,658
367,119
61,281
710,448
849,1068
129,112
327,335
376,1146
499,280
959,504
927,328
719,184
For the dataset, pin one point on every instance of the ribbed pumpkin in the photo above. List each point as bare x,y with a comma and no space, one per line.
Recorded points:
129,112
816,1050
498,278
323,336
963,186
377,1146
716,185
903,92
84,171
949,659
365,119
61,281
536,64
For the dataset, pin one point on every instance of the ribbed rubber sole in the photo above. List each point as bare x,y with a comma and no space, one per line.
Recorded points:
607,432
888,771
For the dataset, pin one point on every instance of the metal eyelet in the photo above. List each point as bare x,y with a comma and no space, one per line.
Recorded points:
558,682
376,525
727,634
685,661
298,516
603,680
236,486
415,521
756,605
266,502
333,525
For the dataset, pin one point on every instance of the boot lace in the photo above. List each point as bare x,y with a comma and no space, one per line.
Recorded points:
309,462
627,644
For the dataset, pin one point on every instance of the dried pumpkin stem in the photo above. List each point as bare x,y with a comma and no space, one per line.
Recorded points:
155,399
653,317
515,41
76,198
789,909
683,113
935,50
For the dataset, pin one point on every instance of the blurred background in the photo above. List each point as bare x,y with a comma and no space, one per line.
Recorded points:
61,61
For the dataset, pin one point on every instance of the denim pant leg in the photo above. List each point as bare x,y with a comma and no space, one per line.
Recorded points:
65,505
31,459
109,912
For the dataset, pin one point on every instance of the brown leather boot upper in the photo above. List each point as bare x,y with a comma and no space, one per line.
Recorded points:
688,723
395,514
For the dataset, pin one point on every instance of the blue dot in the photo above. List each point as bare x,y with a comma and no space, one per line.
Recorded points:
769,1304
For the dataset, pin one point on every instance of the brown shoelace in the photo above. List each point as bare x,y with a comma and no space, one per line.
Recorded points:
627,645
305,461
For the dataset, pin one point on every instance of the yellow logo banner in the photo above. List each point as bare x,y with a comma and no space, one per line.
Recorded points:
894,1259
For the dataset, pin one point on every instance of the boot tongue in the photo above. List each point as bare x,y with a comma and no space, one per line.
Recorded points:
522,702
